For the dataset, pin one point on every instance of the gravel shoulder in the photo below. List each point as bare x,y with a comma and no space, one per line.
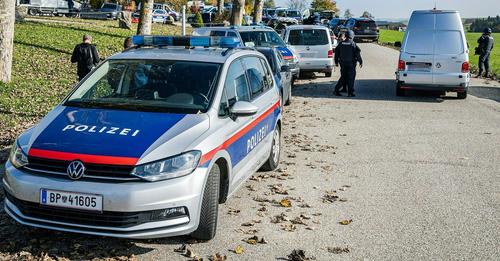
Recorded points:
414,177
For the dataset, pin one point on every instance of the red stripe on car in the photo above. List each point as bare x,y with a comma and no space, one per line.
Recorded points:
86,158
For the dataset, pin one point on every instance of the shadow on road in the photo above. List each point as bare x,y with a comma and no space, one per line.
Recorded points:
492,93
368,89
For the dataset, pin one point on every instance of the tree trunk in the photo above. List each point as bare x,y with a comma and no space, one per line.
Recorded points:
7,20
237,13
257,11
146,18
220,7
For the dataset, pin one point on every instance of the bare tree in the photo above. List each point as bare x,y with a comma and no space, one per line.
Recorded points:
237,12
257,11
146,17
7,20
298,4
220,7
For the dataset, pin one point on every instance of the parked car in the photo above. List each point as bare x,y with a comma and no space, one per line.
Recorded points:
327,14
295,14
363,28
135,17
335,24
281,72
268,14
163,6
256,36
434,54
50,7
314,46
160,16
111,10
149,143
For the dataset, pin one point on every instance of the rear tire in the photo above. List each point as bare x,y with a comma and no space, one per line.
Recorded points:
399,91
274,157
32,12
462,95
209,207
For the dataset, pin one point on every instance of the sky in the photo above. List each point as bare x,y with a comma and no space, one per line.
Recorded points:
403,8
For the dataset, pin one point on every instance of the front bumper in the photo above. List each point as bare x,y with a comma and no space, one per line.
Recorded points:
120,197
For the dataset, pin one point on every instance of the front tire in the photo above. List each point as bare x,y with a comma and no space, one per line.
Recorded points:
462,95
209,207
274,157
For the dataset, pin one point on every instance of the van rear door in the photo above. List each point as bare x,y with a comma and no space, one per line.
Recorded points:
450,49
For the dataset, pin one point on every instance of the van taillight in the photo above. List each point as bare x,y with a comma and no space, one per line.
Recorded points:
330,53
401,65
465,67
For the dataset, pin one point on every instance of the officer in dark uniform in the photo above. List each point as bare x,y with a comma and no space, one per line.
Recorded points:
348,54
86,57
484,50
341,82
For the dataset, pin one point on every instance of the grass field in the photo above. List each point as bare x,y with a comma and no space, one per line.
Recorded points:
390,37
42,71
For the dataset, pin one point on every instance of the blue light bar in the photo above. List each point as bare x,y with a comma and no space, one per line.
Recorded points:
186,41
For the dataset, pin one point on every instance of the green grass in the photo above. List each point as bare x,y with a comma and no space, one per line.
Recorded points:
390,37
42,71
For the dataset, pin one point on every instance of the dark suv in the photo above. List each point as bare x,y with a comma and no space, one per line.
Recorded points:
363,28
335,24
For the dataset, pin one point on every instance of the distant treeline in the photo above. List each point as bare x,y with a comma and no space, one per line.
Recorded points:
479,24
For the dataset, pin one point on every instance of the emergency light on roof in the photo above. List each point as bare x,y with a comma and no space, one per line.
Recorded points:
186,41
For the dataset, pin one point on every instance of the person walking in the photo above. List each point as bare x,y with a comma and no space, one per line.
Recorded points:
341,82
484,50
348,55
86,57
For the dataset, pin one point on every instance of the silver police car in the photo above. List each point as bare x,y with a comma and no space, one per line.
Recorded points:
150,142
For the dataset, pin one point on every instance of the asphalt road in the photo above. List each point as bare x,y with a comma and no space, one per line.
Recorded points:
419,177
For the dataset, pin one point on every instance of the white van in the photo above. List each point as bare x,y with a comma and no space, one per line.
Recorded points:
314,44
434,54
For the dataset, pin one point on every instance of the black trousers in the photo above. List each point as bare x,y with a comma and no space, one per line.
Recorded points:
484,62
82,74
347,77
340,83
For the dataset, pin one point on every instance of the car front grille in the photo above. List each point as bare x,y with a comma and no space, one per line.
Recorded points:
92,171
104,219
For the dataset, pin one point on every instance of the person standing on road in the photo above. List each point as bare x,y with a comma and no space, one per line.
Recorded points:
86,57
341,82
348,55
484,50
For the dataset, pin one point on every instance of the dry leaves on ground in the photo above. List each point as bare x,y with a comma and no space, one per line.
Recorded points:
345,222
299,255
339,250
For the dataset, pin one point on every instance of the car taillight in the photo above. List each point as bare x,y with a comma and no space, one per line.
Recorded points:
465,67
330,53
401,65
355,28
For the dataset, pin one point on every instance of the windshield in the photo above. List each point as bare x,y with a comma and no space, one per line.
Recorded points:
293,13
108,6
271,11
149,85
262,38
281,13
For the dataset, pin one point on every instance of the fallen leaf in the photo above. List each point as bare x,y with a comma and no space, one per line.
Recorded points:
288,227
345,222
218,257
248,224
339,250
286,203
279,218
255,240
233,211
298,255
239,250
330,196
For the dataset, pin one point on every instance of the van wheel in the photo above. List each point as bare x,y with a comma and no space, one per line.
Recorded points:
462,95
274,157
399,91
209,207
32,12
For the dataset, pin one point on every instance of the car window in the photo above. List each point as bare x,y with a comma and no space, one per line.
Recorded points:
218,33
255,74
232,34
149,85
308,37
268,75
419,42
236,84
365,25
448,42
262,38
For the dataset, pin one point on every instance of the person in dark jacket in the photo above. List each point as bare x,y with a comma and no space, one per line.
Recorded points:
86,56
348,55
485,46
341,82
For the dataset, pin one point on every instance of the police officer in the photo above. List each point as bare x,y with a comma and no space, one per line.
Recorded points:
484,50
86,56
341,82
348,54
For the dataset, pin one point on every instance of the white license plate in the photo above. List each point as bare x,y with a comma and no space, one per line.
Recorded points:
65,199
307,55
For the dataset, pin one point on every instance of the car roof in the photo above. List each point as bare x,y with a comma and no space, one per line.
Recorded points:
302,26
201,54
434,11
244,28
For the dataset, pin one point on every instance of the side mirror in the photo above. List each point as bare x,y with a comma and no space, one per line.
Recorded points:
243,108
285,68
397,44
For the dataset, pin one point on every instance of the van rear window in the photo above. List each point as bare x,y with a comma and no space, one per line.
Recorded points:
308,37
419,42
434,42
448,42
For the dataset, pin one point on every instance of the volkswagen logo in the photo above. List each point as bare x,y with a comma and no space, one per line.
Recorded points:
438,65
75,170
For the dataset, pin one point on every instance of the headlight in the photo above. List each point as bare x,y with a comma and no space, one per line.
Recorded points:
169,168
17,156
